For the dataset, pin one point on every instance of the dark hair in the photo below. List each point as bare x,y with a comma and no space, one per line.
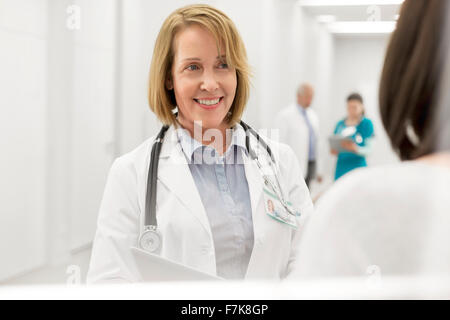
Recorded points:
359,98
355,96
411,76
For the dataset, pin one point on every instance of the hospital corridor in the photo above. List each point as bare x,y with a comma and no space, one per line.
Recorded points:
262,140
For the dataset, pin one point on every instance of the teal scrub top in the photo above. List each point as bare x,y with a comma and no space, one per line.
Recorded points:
348,161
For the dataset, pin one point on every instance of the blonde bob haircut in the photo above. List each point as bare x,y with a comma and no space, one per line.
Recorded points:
161,100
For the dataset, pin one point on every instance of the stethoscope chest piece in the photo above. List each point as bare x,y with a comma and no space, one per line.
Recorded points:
150,240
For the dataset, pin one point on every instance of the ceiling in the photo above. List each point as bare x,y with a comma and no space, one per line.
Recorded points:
356,13
353,17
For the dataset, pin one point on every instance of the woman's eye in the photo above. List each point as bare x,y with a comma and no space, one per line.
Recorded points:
223,66
192,67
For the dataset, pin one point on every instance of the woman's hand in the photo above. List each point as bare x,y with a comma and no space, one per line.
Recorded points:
334,152
349,146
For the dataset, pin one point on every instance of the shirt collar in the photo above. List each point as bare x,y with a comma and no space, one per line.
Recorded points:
302,110
190,146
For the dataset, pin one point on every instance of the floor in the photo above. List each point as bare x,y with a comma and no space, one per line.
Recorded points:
73,272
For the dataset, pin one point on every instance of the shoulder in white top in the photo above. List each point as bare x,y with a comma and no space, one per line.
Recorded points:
393,218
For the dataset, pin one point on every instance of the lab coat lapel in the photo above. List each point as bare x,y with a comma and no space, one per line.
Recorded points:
255,187
174,172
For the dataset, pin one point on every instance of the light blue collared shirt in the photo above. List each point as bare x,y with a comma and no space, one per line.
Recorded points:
224,192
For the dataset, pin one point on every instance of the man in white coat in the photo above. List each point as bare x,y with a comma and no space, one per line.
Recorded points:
299,128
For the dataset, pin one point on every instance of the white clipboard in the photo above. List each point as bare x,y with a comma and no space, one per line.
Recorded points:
154,268
335,142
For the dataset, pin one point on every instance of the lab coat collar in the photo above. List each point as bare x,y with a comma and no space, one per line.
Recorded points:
255,184
255,188
174,173
169,143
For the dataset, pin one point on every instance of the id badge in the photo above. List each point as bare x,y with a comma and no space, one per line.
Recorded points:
276,210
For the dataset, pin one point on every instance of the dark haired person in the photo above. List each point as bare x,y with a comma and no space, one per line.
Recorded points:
359,130
395,219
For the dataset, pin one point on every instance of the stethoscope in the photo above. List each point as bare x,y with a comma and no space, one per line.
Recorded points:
151,239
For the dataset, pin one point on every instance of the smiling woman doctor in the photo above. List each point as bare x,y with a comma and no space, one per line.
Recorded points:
199,195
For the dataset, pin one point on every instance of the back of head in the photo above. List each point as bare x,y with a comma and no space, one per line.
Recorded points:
442,121
412,77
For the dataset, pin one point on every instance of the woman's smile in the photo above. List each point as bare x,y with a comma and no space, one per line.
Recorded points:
209,103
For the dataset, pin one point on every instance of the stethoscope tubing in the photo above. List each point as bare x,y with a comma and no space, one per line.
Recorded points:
150,199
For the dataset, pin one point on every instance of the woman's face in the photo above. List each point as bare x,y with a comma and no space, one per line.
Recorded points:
355,109
203,83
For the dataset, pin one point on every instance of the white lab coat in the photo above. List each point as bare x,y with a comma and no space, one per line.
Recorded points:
294,132
182,220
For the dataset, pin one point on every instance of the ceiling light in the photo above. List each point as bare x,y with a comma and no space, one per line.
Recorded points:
336,3
326,18
362,27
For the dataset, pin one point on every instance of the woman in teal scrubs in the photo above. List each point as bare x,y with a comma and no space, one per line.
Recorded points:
359,131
